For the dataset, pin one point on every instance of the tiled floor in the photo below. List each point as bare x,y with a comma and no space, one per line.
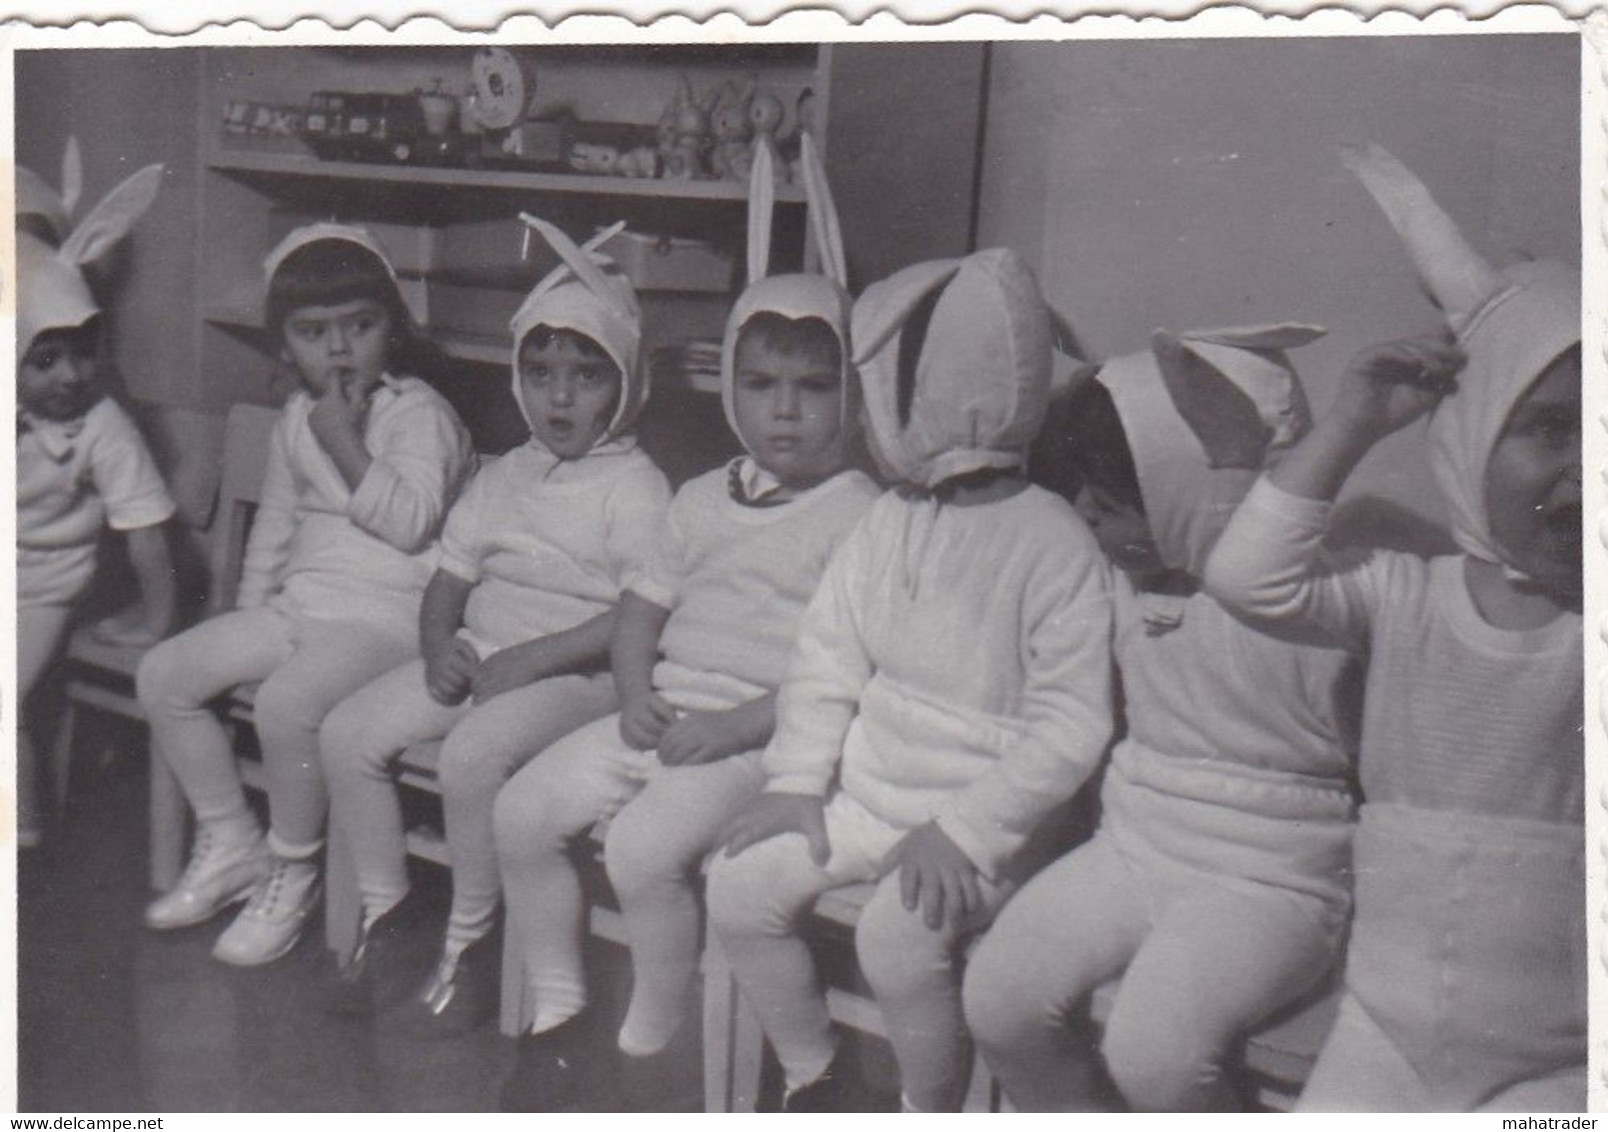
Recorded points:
116,1018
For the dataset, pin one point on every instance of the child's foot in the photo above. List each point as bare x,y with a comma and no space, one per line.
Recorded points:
273,919
221,872
837,1089
383,966
547,1070
459,994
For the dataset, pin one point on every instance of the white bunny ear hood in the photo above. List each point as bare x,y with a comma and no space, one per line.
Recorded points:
52,292
794,296
299,238
35,197
1512,323
588,294
983,375
1204,413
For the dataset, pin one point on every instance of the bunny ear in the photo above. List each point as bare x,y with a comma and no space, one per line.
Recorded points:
885,306
603,236
761,207
110,220
1222,416
1456,277
72,175
823,214
577,260
1274,336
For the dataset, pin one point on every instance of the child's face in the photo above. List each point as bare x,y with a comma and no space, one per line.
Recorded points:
56,378
1122,531
789,409
570,394
1532,483
345,343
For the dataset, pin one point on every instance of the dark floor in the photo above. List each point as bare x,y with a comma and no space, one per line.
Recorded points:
115,1018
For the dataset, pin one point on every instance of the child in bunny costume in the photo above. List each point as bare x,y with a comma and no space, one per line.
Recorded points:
952,678
700,642
362,465
81,463
515,627
1217,885
1465,974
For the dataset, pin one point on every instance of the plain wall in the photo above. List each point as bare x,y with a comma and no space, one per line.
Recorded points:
1190,184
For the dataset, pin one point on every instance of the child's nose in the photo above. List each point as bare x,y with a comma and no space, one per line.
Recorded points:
340,339
562,392
785,404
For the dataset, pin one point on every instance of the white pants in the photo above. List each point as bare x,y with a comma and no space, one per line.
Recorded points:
585,777
484,744
755,902
306,668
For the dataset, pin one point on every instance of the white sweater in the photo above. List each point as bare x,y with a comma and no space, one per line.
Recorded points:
955,664
549,544
736,579
322,550
1459,715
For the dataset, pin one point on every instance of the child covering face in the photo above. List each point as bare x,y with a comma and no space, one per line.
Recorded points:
950,686
1217,886
515,628
81,462
362,465
699,649
1465,973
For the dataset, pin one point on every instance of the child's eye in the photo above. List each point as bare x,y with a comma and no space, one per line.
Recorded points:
364,323
821,385
589,375
754,381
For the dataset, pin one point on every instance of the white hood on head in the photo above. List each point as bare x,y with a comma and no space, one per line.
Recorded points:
586,293
327,230
1204,412
1511,322
983,375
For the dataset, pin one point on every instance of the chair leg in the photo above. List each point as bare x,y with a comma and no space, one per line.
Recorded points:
169,816
734,1043
343,904
516,1013
61,757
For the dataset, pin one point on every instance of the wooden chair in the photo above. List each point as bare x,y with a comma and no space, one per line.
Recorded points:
100,677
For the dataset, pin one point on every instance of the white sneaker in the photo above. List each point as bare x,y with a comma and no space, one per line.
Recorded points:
272,920
220,873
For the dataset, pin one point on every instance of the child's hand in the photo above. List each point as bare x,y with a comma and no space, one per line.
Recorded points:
772,815
643,720
449,672
936,873
699,737
339,413
503,671
127,629
1391,384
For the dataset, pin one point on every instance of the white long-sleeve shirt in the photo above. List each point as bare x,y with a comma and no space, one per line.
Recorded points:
325,551
549,544
1460,715
955,665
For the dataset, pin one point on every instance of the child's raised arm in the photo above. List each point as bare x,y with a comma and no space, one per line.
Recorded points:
1268,563
420,460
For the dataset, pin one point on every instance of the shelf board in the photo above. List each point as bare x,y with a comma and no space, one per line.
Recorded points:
508,180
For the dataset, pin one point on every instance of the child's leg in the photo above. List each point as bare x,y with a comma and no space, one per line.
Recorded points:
1214,966
178,679
557,797
358,742
1563,1091
655,847
479,756
755,900
1360,1069
331,661
913,972
41,631
1072,927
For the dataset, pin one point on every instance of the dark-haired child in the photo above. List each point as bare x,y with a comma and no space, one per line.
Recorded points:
1216,885
515,631
362,466
81,462
1466,968
950,687
700,645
